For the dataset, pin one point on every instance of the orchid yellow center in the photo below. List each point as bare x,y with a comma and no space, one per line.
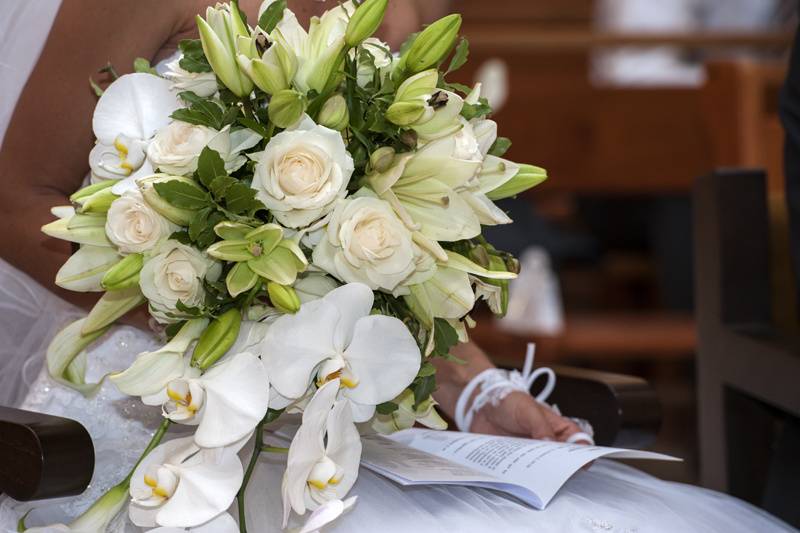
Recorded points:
123,157
162,482
325,473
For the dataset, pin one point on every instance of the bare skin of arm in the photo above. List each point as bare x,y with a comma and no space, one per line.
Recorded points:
519,414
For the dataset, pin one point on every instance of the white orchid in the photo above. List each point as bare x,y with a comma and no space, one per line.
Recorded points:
181,485
323,458
130,111
374,357
226,403
325,514
224,523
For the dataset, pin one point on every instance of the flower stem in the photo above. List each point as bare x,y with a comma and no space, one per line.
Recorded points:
259,443
155,441
274,449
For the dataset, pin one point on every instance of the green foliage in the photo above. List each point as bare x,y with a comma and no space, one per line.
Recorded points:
194,59
205,112
141,64
210,166
183,195
460,56
386,408
481,109
444,337
272,16
423,387
500,147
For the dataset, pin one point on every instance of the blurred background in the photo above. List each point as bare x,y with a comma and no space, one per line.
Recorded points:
626,103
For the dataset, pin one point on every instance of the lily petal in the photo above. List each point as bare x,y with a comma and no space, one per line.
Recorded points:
85,268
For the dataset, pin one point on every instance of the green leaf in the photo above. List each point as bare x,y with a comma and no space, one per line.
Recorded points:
185,309
210,166
500,146
173,329
219,187
460,56
199,223
427,369
141,64
482,108
183,195
182,237
423,388
458,87
201,112
272,16
241,199
444,337
194,59
254,125
386,408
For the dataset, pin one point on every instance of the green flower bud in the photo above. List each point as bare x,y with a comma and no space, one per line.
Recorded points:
480,256
81,229
283,297
124,274
275,69
219,35
176,215
365,21
420,86
111,306
80,195
433,44
98,203
382,158
527,177
217,339
286,107
405,113
334,113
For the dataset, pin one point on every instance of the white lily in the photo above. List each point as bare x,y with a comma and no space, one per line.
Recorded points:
84,270
224,523
181,485
152,371
405,416
320,51
95,519
325,514
323,459
132,109
226,403
374,357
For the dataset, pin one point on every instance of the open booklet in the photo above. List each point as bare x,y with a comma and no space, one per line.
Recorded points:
531,470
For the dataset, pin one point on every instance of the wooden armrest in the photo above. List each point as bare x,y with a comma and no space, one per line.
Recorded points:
43,456
623,410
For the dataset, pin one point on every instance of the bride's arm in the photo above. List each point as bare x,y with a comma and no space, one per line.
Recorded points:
518,414
44,156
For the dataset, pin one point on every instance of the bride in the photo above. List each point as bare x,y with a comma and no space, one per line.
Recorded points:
52,112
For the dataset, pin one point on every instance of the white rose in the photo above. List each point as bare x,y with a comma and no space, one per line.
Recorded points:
202,84
133,226
302,173
366,242
176,148
175,272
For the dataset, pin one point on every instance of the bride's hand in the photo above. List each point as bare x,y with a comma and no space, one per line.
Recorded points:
520,415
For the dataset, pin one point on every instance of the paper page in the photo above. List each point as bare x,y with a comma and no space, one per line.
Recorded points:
538,467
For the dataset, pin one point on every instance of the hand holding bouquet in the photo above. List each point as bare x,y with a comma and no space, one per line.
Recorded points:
302,212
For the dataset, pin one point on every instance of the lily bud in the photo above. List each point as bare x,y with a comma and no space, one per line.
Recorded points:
176,215
433,44
286,107
283,297
80,195
110,307
419,86
275,69
381,159
217,339
124,274
334,113
98,203
527,177
405,113
365,21
81,229
405,416
219,35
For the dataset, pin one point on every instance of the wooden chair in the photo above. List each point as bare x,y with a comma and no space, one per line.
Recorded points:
44,456
747,368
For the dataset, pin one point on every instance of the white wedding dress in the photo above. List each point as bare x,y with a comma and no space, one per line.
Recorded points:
609,497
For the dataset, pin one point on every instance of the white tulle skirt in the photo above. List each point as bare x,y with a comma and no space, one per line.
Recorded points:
609,497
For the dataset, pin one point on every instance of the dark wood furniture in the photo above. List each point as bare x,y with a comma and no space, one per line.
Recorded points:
747,368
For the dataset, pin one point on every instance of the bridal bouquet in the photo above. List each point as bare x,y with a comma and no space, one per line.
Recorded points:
301,212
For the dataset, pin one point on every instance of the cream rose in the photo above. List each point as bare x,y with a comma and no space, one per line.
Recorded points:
302,172
133,226
366,242
202,84
175,272
176,148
